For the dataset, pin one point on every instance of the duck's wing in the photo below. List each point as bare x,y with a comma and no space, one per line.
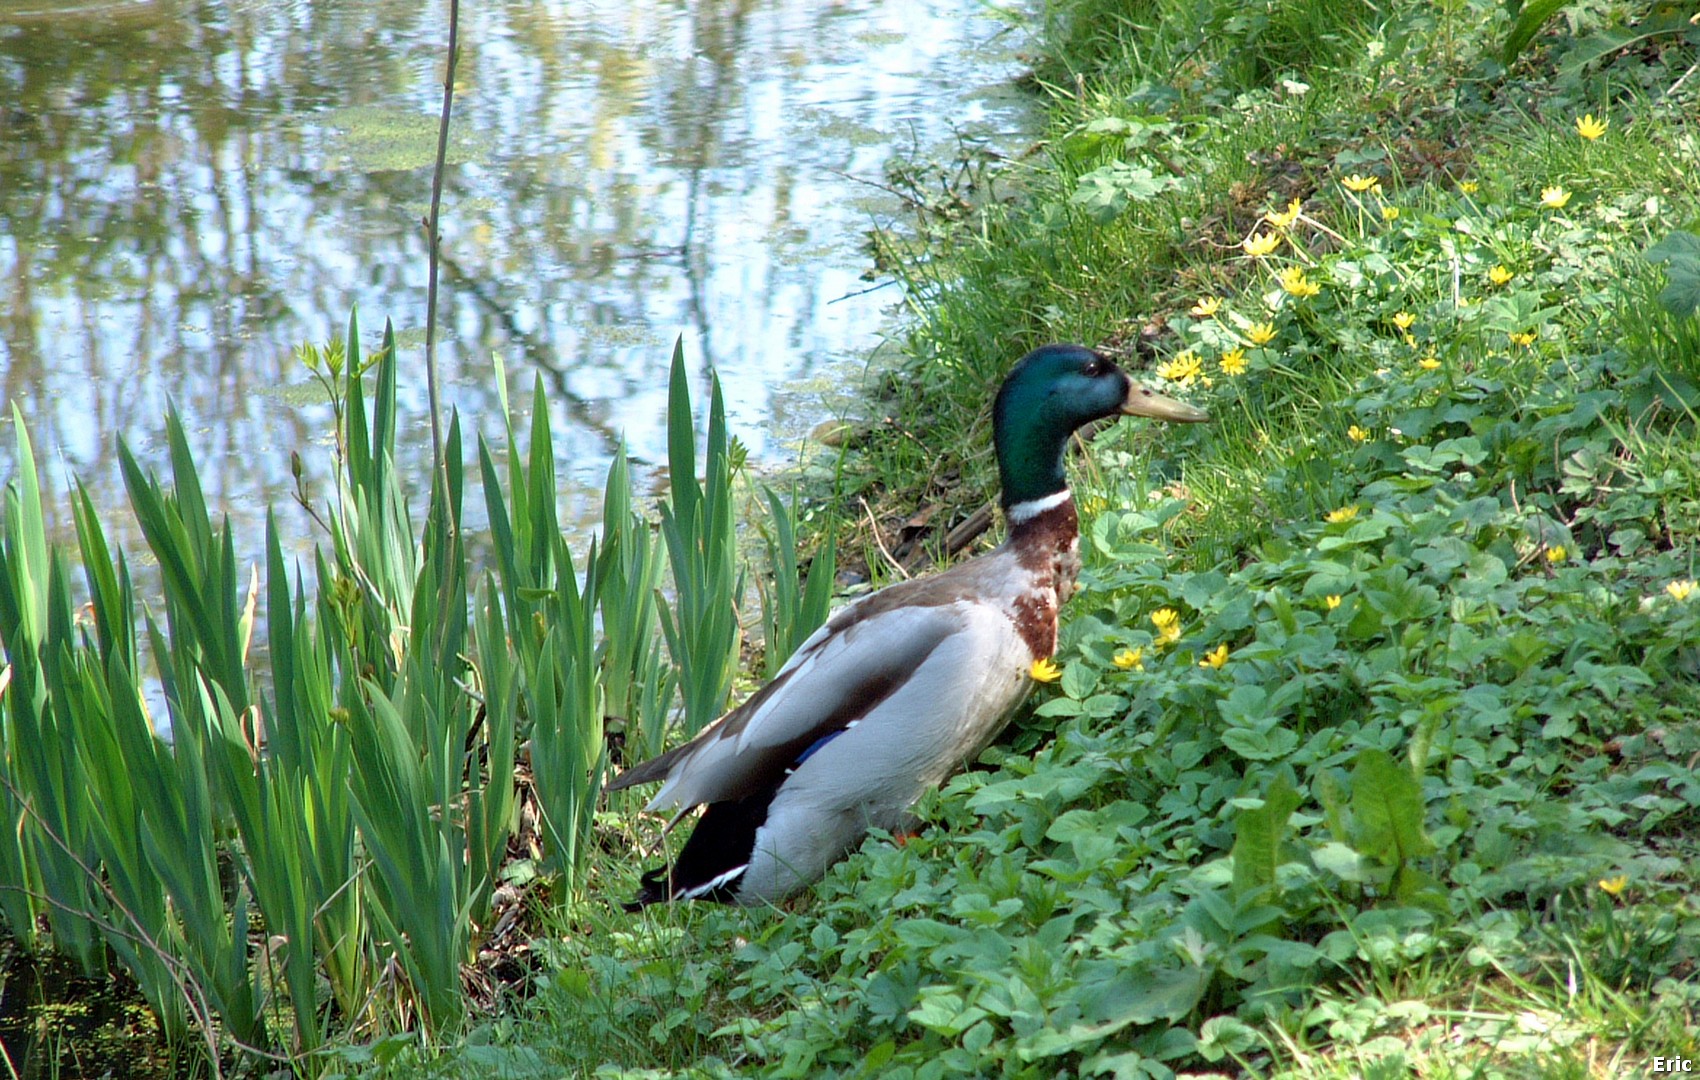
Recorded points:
845,669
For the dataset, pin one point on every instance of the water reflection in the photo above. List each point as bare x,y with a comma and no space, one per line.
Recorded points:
189,189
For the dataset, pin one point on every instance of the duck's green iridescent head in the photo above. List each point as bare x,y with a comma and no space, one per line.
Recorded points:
1051,392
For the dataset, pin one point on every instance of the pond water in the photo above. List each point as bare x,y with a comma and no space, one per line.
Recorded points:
191,188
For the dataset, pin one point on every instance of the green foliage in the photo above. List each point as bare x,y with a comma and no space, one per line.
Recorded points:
548,623
1411,783
337,816
1109,189
793,605
638,682
42,776
299,831
1387,809
1406,774
1260,834
1529,20
1605,33
1680,252
701,618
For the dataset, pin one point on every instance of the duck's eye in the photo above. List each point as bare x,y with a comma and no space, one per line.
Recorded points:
1093,369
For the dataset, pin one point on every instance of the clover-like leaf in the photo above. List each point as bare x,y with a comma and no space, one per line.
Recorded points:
1680,251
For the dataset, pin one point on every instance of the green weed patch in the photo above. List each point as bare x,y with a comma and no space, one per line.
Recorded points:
1374,749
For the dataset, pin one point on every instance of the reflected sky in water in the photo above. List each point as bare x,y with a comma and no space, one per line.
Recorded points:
189,190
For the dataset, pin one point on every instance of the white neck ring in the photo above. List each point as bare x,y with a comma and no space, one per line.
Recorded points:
1023,512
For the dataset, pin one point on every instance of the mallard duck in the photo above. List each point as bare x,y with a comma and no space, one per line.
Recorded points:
902,686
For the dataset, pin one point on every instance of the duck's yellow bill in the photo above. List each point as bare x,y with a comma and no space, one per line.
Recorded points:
1143,401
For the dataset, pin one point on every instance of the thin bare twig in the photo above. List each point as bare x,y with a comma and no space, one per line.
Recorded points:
908,197
193,995
1677,85
880,540
432,238
863,292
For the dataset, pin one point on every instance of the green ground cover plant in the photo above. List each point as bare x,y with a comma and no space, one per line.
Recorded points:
1373,746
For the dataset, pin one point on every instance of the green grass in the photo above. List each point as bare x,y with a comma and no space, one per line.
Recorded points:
1411,788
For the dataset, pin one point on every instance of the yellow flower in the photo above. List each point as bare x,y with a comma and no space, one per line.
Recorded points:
1257,245
1232,362
1332,601
1129,658
1390,213
1499,275
1044,670
1357,434
1183,368
1168,624
1680,590
1261,333
1554,198
1525,339
1468,187
1293,280
1591,129
1216,657
1556,554
1403,320
1206,307
1360,184
1283,218
1614,885
1345,513
1428,363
